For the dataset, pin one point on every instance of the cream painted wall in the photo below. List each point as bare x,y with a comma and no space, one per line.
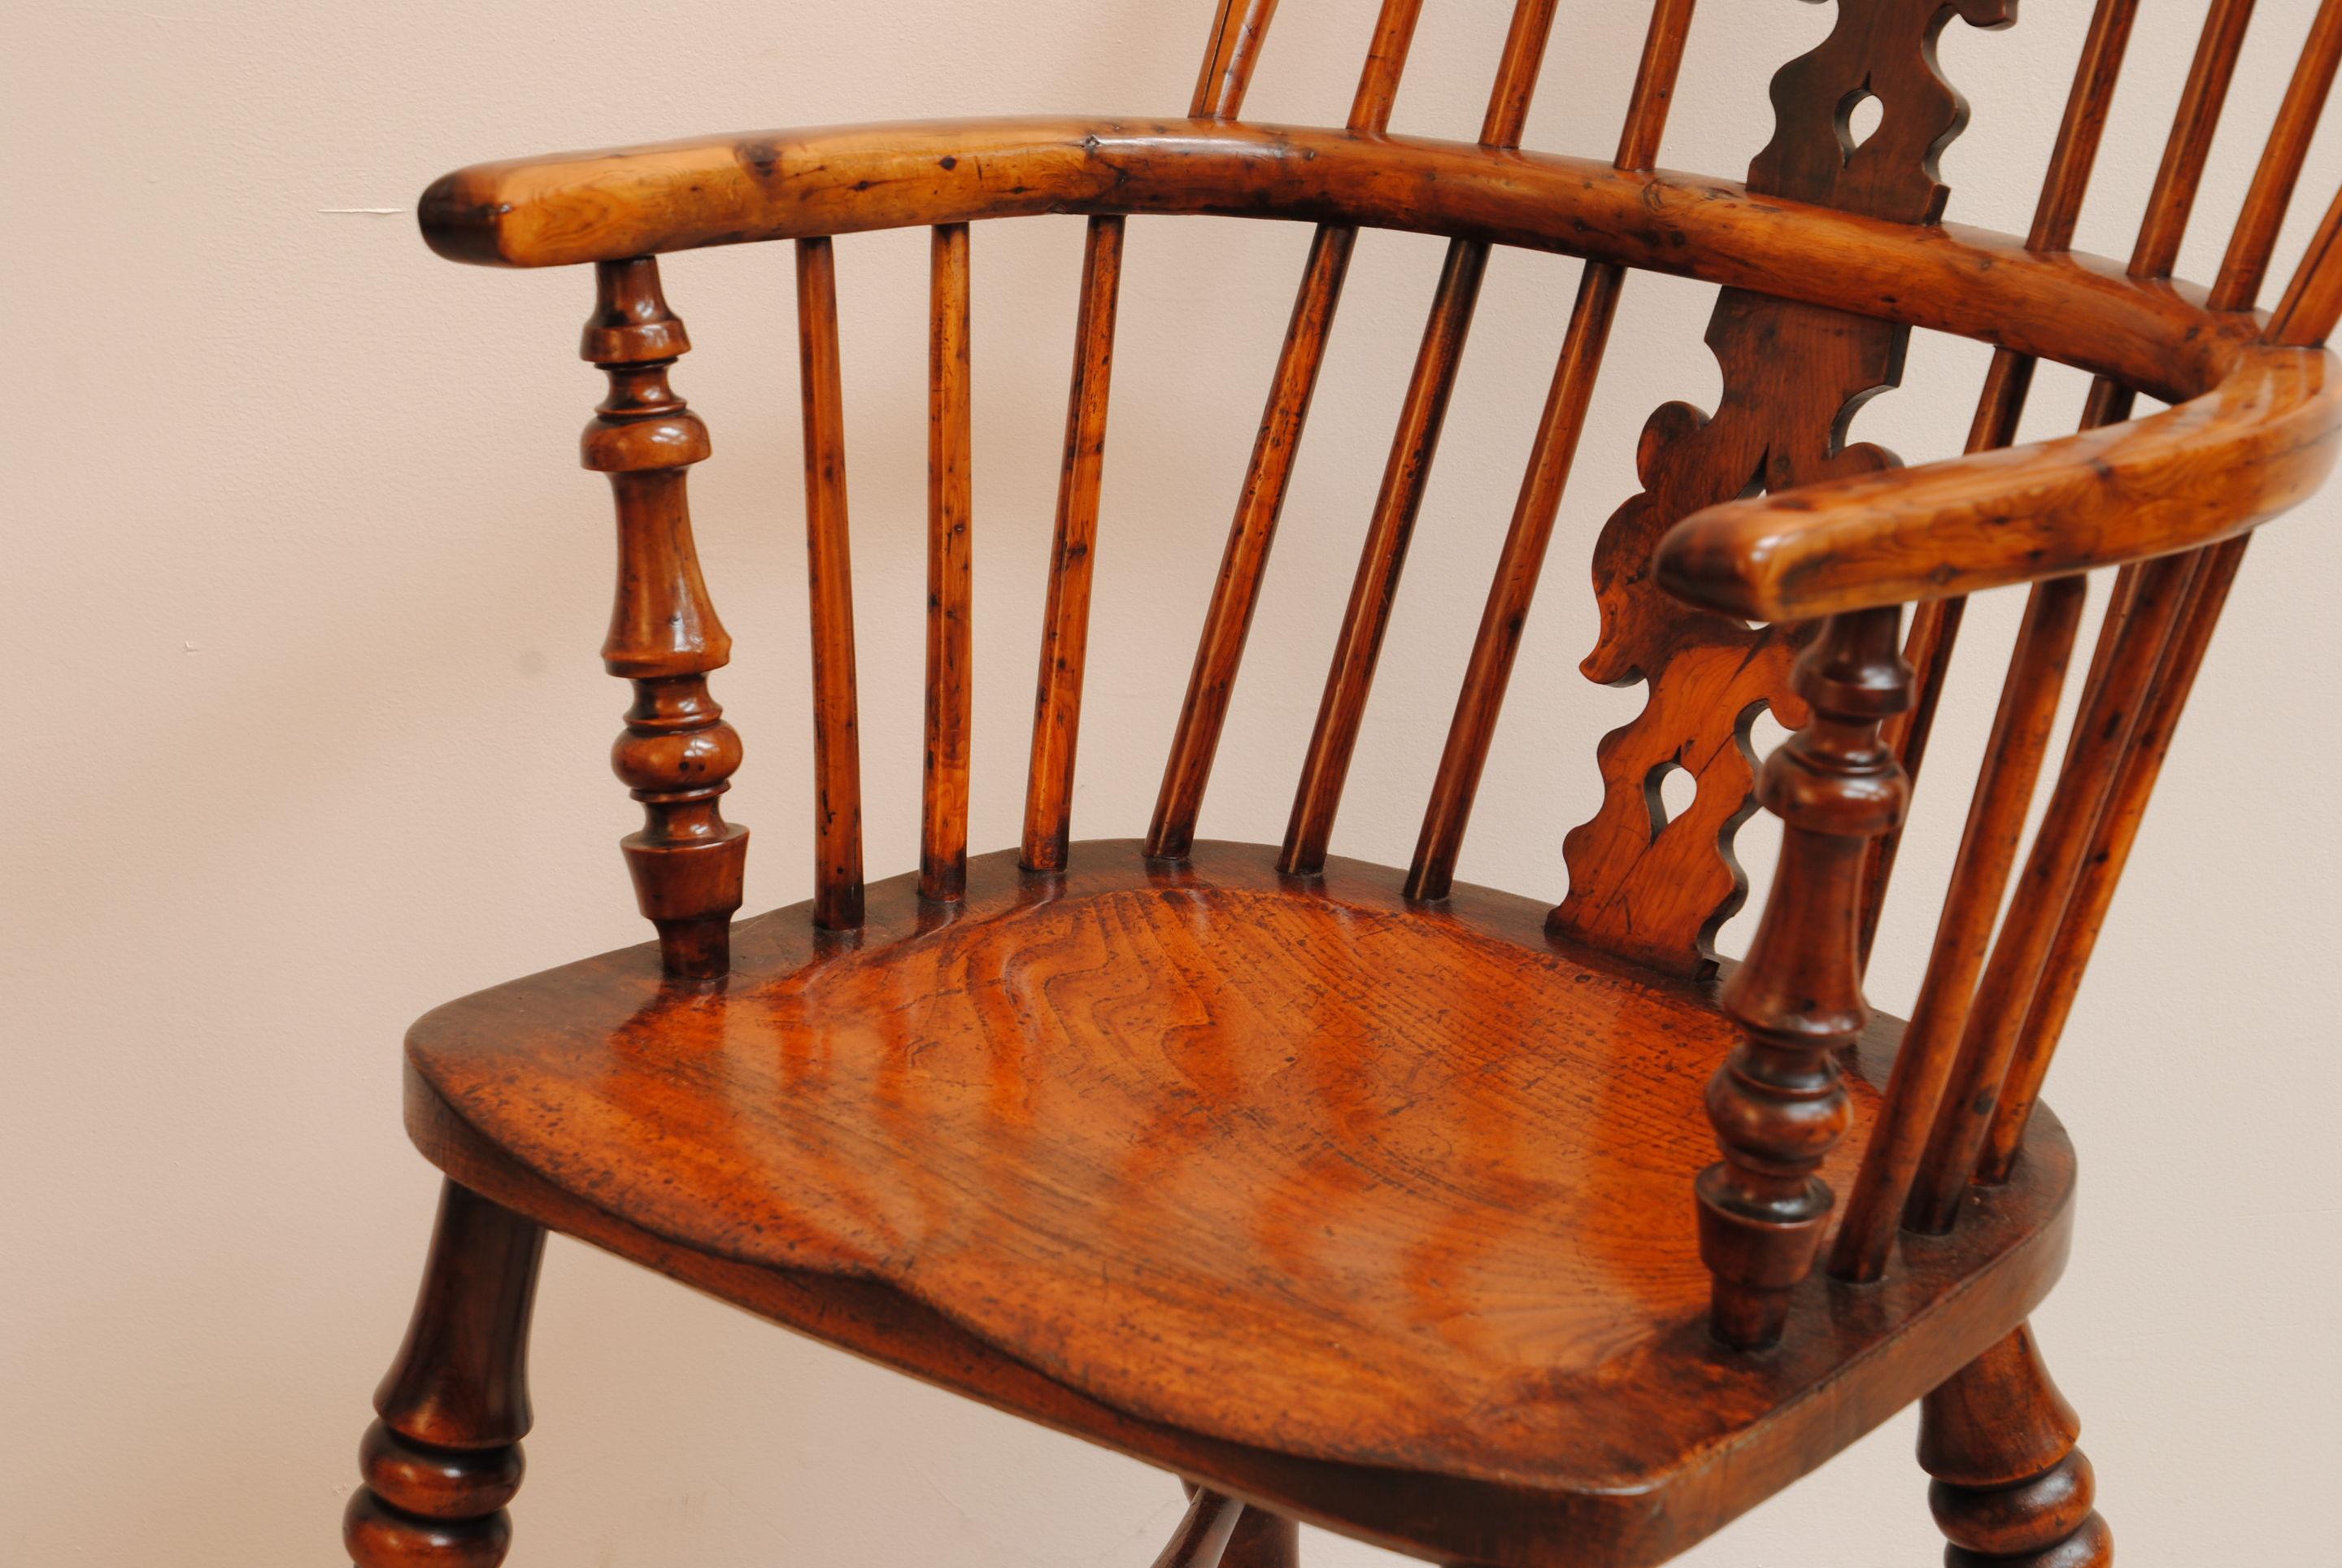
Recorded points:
304,593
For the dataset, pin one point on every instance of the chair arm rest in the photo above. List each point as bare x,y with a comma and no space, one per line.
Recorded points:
2257,442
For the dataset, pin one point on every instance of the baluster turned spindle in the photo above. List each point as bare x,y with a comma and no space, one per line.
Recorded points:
1776,1103
678,754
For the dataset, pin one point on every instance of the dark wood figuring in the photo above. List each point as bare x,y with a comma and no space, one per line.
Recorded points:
1357,1199
1420,1271
443,1461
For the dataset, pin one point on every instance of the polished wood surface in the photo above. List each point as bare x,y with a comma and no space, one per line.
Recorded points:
1260,499
1522,560
1065,619
444,1458
1778,1104
1642,881
1368,1199
951,505
2011,1489
678,754
1244,1156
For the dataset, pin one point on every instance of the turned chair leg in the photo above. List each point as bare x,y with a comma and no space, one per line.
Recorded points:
2011,1490
445,1458
1260,1539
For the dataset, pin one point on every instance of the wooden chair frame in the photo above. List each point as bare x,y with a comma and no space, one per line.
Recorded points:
1766,562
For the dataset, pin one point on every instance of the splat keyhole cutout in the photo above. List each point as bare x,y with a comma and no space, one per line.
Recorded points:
1765,734
1857,119
1670,790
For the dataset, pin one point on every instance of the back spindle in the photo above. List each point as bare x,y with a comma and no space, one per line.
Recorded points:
2237,286
1238,31
1997,1016
2020,733
1237,35
943,815
1521,560
1423,412
829,577
1235,594
678,755
1935,625
2006,1021
1066,613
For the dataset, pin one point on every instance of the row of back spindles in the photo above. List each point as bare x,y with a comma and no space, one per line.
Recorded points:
1992,1006
1238,31
1993,1002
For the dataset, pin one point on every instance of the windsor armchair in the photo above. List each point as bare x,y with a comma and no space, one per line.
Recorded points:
1354,1195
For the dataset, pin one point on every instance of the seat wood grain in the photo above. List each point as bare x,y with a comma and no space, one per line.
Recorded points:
1287,1172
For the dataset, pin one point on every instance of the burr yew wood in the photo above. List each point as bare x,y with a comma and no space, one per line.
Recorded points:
1353,1196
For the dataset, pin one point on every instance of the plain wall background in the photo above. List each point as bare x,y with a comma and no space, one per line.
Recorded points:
304,589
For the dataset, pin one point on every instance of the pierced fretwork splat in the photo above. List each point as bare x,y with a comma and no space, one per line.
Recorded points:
1643,884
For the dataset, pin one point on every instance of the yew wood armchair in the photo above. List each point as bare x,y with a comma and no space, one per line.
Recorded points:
1495,1234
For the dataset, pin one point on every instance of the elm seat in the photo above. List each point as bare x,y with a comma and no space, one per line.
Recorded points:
1279,1164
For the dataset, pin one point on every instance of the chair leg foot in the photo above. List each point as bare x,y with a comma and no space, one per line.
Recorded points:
2011,1490
445,1457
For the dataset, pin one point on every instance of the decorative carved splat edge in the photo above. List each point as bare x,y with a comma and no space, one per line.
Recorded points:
1644,885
